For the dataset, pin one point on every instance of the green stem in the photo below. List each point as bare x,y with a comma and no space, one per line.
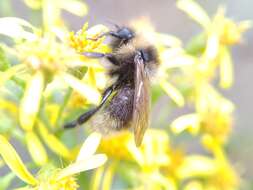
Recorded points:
63,105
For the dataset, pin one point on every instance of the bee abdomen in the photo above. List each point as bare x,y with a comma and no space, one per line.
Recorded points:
121,106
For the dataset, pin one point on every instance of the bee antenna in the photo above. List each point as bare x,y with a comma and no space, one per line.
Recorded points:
113,23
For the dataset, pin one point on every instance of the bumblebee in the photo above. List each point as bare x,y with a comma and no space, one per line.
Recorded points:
126,103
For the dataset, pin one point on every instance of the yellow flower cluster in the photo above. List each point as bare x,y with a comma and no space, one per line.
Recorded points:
51,82
86,40
53,178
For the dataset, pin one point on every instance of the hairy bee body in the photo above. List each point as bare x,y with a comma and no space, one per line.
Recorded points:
117,113
126,102
121,106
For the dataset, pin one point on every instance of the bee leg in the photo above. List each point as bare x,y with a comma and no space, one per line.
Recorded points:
109,56
112,59
87,115
81,119
94,54
121,34
100,36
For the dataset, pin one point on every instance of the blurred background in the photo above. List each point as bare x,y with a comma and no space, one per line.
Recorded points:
168,19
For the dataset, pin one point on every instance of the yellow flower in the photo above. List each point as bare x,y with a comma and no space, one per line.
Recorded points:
51,11
115,146
229,32
150,156
88,91
30,103
219,33
194,184
46,59
56,179
54,143
12,159
213,117
9,106
208,173
224,178
220,28
83,41
76,101
73,6
153,152
36,149
51,64
217,174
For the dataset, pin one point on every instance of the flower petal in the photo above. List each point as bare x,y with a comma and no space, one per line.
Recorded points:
75,7
195,11
36,148
173,93
196,185
13,160
197,165
96,30
83,165
176,57
108,176
96,178
226,69
212,47
34,4
14,27
168,40
189,121
135,153
89,146
31,101
53,143
89,92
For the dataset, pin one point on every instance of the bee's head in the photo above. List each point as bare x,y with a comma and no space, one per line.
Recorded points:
125,33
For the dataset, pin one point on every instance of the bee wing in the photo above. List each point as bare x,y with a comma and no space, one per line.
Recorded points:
141,107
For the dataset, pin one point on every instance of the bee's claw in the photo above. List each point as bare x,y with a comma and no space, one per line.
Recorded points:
70,125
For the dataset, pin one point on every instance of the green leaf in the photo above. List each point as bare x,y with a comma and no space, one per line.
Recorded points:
6,180
5,8
196,45
156,93
4,63
8,74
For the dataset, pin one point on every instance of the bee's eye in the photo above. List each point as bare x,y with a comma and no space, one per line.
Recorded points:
144,55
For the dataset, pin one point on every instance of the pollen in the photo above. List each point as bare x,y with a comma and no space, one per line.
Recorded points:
67,183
